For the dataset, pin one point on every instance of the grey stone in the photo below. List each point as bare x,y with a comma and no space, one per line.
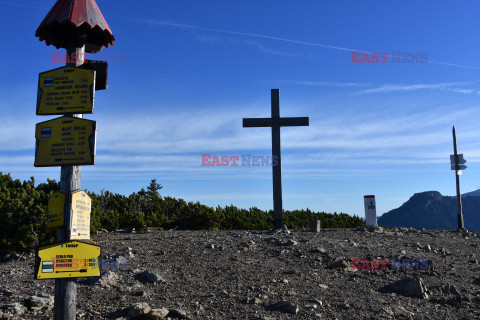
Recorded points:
344,306
128,252
285,306
283,230
150,277
339,264
108,279
177,313
14,308
39,302
143,293
138,309
400,311
7,293
255,300
156,314
409,287
291,242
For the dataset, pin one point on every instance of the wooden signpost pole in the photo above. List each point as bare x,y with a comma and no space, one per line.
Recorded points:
86,31
70,178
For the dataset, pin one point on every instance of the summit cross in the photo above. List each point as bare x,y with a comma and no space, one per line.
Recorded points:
276,122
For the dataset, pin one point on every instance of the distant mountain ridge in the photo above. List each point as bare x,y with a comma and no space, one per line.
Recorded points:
431,210
475,193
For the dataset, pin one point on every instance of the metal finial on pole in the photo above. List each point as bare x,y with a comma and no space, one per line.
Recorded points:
457,179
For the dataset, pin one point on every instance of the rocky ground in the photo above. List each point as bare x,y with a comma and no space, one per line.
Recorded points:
293,274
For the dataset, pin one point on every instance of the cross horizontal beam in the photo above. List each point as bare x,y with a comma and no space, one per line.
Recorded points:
278,122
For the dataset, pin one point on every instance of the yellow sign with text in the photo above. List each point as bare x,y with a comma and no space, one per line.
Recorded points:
56,205
72,259
66,90
81,208
65,141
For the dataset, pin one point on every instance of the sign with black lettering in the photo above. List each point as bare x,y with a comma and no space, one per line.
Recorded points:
81,208
65,141
72,259
66,90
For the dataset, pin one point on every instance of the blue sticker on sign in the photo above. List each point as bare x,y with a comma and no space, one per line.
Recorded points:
48,82
46,132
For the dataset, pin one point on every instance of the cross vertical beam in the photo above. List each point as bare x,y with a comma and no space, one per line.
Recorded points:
276,122
457,180
276,154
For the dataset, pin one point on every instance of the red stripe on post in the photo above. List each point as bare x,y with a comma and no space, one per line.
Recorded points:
369,196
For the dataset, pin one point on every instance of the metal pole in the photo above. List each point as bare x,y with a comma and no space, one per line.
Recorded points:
457,178
276,153
70,177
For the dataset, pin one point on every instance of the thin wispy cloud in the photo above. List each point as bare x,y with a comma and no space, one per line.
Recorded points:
453,64
193,27
246,43
448,86
248,34
270,37
20,5
321,83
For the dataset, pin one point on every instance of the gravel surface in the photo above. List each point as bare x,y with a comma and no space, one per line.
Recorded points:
293,274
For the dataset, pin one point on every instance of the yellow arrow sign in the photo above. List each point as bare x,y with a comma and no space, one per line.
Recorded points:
72,259
66,90
56,206
65,141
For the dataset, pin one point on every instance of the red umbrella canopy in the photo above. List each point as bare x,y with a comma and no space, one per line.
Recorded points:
76,20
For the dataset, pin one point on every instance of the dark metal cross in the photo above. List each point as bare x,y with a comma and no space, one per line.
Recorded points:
276,122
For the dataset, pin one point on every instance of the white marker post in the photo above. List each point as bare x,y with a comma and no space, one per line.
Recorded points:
370,211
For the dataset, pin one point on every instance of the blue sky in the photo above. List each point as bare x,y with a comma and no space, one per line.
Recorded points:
183,74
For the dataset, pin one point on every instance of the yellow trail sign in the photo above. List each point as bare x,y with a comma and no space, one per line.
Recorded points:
81,208
65,141
56,205
72,259
66,90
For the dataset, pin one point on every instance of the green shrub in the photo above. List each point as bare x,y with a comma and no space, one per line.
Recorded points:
23,214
